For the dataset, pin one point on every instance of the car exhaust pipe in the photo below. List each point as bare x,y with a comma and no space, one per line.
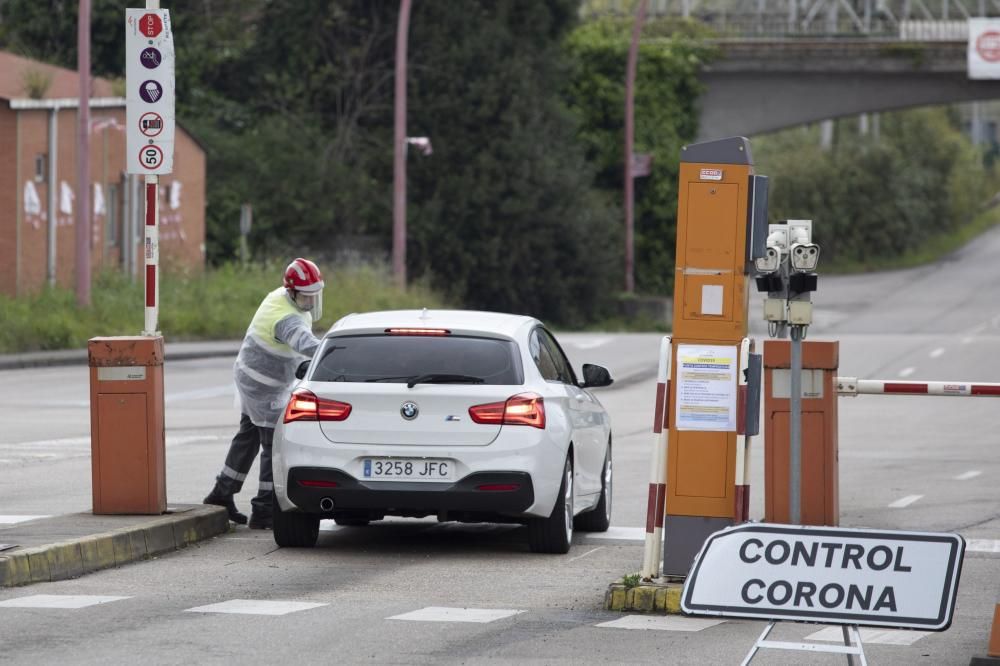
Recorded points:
326,504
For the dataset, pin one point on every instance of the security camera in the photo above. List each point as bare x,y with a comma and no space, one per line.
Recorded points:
804,257
770,262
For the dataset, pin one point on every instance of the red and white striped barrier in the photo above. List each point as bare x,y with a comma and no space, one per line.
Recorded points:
741,512
652,553
151,252
852,386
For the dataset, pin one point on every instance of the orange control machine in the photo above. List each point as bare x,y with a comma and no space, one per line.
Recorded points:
126,425
721,228
820,502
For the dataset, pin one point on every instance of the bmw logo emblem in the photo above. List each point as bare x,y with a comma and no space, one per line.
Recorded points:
409,410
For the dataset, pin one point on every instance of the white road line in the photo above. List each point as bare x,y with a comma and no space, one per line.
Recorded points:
73,601
660,623
620,533
444,614
982,545
937,352
14,520
592,550
965,476
879,636
256,607
904,501
906,372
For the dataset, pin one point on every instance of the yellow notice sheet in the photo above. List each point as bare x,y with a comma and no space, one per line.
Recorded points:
706,387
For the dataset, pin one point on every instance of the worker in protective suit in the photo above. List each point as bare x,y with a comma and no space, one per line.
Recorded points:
279,336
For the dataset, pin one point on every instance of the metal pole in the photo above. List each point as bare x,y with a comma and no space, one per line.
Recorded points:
127,224
151,250
795,431
399,151
633,57
83,212
53,159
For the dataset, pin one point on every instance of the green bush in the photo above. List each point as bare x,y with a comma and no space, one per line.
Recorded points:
215,305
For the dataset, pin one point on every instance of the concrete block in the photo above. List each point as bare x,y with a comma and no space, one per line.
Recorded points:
615,598
660,603
160,538
14,570
98,552
643,598
65,560
137,542
122,546
39,565
673,599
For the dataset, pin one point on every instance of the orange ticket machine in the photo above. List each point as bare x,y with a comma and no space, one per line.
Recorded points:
128,465
820,504
721,229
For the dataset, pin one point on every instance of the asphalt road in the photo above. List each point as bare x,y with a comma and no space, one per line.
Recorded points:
915,463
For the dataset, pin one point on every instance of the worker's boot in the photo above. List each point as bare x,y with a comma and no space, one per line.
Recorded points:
261,520
227,502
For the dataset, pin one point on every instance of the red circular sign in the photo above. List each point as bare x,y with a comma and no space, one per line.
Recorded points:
988,46
150,124
150,25
150,157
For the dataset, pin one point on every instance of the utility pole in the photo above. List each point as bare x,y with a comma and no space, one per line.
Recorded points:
399,151
633,57
83,213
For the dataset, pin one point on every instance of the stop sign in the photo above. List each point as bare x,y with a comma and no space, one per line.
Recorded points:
150,25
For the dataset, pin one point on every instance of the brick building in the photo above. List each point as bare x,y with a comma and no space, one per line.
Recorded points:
37,196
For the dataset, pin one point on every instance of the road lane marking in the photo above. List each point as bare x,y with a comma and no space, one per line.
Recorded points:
660,623
879,636
592,550
906,372
971,474
72,601
937,352
256,607
444,614
620,533
982,545
904,501
14,520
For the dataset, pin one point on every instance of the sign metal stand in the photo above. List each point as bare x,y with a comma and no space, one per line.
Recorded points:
851,650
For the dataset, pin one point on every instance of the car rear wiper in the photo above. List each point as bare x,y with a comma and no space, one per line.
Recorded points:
439,378
391,379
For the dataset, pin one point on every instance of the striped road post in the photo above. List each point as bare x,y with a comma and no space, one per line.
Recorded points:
741,512
651,555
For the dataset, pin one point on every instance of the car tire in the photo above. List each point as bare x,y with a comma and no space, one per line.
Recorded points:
293,529
555,533
598,519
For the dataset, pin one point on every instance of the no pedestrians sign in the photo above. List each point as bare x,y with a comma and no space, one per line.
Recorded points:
149,81
828,575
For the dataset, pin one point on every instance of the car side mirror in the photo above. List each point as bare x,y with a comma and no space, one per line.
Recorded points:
300,372
595,376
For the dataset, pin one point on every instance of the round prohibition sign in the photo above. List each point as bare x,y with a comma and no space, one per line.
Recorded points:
150,157
150,124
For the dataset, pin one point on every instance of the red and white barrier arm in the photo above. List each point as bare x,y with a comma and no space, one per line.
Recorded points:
151,252
742,481
851,386
652,554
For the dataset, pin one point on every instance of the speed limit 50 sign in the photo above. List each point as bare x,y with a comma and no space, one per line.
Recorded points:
149,79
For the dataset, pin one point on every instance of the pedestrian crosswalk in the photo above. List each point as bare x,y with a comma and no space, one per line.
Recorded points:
446,614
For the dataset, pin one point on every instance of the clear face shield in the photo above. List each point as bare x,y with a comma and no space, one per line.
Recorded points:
312,303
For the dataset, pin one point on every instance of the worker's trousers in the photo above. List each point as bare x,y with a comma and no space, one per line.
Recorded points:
248,440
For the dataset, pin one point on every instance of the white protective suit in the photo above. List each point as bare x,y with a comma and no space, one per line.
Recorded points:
278,339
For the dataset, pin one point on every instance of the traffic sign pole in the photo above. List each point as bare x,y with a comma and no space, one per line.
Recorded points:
152,242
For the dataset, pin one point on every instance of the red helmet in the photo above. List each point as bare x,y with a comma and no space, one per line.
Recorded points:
303,275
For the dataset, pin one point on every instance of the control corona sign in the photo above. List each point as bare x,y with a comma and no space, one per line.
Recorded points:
828,575
984,48
149,81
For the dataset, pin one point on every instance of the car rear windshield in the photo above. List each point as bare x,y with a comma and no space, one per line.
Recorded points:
399,358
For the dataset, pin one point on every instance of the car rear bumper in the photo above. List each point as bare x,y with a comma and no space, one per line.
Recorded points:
465,495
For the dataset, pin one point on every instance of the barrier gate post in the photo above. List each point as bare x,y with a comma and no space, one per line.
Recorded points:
721,230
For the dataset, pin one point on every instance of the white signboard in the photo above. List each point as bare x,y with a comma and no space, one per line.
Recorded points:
149,81
984,48
827,574
706,387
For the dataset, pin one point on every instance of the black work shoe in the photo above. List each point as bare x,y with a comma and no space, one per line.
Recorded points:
226,501
260,521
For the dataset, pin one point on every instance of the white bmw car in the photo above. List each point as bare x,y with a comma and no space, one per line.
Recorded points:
466,416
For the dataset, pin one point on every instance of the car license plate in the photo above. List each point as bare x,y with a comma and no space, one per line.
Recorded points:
408,469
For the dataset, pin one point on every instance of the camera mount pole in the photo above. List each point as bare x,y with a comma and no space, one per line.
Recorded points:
795,429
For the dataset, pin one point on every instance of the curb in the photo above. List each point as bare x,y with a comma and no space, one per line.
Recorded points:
663,598
76,557
66,357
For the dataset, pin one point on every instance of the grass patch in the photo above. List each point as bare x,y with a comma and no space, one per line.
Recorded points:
214,305
932,250
630,581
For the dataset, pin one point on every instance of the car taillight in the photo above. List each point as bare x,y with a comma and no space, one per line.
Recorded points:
317,483
498,487
521,409
305,406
